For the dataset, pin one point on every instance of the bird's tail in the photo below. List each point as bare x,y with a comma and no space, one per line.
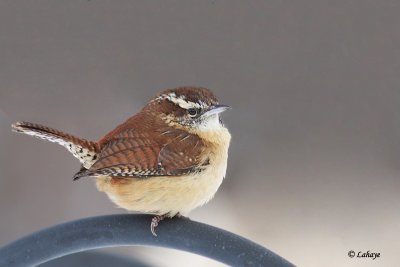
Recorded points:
84,150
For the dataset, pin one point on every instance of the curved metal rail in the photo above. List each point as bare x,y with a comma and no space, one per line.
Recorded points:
126,230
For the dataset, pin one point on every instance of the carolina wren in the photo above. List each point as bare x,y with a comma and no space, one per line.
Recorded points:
166,160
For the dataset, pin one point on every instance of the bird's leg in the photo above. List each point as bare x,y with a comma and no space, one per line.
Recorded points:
155,221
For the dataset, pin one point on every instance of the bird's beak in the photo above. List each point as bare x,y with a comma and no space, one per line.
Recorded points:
216,109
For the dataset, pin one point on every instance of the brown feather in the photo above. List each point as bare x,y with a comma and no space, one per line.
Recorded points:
152,149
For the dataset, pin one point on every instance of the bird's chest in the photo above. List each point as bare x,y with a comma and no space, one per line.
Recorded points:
197,189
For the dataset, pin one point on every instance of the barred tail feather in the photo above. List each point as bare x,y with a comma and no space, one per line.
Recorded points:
84,150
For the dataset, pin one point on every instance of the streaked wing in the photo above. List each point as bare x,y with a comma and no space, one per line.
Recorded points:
182,155
132,153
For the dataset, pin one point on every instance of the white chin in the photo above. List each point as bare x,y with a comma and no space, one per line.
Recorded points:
210,123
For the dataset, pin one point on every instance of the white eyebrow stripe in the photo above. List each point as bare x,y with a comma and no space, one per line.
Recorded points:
183,103
180,101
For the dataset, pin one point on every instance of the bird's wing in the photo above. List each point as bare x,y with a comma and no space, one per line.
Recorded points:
134,153
182,155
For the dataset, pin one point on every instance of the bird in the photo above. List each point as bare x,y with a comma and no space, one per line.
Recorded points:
166,160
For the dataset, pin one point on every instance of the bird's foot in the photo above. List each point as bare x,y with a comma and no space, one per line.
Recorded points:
154,223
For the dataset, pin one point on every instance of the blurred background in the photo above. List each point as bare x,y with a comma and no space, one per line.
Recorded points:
314,161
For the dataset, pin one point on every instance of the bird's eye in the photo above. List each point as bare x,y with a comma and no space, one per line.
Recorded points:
192,112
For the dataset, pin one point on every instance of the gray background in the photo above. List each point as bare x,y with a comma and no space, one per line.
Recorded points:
315,85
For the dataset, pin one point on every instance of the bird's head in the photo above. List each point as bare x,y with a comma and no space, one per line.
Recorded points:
190,108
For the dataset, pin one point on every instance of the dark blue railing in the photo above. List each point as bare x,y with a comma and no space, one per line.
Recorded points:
126,230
